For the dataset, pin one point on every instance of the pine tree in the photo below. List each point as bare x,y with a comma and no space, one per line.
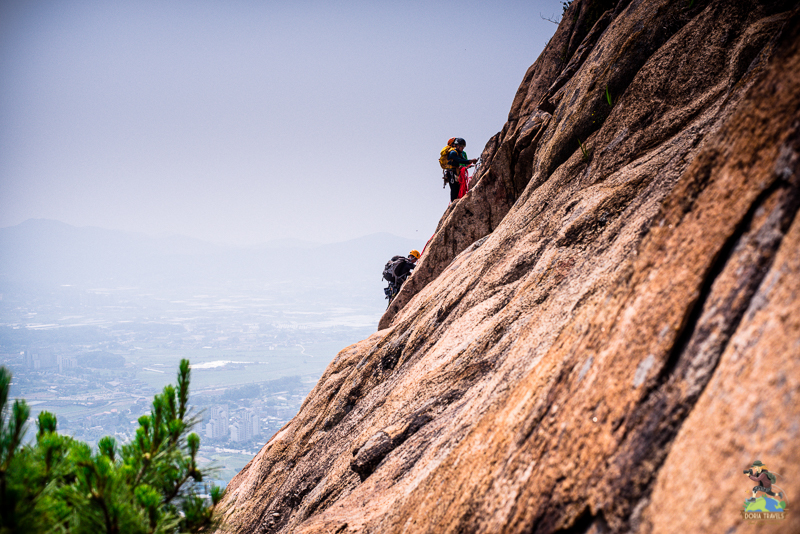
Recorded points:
59,484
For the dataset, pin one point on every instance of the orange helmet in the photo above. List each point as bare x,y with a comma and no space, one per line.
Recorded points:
414,253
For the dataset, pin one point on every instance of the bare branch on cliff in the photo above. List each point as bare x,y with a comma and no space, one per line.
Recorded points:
548,19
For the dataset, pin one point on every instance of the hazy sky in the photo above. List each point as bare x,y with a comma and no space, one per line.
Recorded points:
244,121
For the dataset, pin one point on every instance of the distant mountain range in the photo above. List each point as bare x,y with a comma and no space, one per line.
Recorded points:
41,253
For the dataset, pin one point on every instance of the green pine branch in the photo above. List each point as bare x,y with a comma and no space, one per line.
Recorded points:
149,485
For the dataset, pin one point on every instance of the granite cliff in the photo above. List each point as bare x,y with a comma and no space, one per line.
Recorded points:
604,332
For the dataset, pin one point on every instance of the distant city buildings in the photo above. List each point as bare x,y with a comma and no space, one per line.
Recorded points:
238,432
66,362
283,411
244,426
217,426
250,419
40,358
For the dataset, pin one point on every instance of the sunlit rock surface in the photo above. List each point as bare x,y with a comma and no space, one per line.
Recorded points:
606,328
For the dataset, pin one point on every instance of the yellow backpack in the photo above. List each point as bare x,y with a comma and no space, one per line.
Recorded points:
443,161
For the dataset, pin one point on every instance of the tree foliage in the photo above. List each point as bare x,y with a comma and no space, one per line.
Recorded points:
59,484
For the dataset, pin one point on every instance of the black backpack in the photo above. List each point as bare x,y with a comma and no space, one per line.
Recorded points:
391,265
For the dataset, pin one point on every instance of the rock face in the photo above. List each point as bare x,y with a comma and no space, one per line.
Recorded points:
604,332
